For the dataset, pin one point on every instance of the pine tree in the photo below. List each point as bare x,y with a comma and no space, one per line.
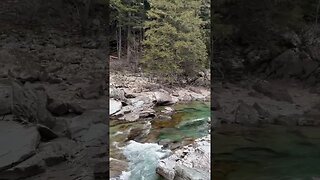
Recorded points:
174,44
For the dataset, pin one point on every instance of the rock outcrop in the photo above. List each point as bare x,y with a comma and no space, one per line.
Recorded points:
189,162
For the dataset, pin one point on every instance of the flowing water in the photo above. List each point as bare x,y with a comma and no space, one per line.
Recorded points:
266,153
190,121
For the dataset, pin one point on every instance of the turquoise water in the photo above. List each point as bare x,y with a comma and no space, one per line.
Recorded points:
189,121
267,153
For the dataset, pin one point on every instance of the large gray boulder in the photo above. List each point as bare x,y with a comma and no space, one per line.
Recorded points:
18,143
163,98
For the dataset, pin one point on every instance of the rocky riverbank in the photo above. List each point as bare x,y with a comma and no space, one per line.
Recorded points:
134,97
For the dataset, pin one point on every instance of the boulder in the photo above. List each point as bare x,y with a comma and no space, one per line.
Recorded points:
163,98
30,105
49,154
18,143
118,93
76,108
92,91
185,173
58,108
94,136
117,167
77,126
188,162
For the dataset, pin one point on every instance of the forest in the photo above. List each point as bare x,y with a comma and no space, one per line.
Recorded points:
166,37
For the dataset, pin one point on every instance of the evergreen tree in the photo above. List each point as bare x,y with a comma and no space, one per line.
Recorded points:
174,42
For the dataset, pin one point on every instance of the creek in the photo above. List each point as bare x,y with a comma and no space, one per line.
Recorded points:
157,138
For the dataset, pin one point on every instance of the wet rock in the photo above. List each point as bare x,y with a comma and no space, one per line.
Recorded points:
167,110
272,92
163,98
134,133
18,143
117,167
139,132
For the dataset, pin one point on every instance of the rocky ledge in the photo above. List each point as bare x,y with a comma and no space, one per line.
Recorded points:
190,162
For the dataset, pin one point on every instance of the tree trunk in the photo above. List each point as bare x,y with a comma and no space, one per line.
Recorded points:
119,43
128,44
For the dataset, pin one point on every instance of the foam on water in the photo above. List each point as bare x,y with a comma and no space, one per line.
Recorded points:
143,159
